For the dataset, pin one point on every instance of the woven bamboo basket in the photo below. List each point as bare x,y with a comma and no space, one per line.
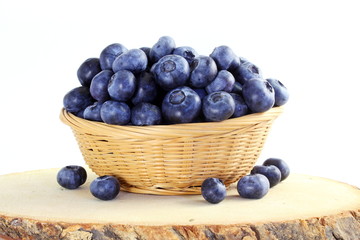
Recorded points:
172,159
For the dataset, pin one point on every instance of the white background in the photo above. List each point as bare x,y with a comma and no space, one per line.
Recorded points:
313,47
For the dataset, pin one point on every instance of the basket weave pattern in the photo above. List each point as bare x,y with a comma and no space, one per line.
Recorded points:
172,159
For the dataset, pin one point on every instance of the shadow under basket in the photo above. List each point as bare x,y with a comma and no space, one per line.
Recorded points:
172,159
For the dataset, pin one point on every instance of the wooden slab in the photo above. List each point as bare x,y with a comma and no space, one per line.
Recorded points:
34,206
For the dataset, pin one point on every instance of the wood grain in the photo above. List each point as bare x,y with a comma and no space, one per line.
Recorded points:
34,206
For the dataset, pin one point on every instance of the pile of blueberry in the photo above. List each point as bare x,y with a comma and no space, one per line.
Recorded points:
165,84
253,186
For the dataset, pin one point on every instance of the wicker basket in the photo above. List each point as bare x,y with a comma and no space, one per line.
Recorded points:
172,159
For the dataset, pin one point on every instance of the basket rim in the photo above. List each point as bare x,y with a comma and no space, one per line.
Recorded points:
170,129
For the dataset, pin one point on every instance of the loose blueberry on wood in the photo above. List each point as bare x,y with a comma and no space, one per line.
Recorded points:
71,177
105,187
272,173
280,164
213,190
254,186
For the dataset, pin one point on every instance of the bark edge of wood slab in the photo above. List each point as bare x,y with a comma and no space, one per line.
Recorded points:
301,207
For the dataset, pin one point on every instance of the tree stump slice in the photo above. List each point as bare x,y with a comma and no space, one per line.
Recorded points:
34,206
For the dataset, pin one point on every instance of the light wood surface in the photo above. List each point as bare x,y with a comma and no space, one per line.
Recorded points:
33,204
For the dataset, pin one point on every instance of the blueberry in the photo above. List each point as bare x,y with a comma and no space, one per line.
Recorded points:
203,72
201,92
122,85
77,99
164,46
134,60
105,187
181,105
146,89
186,52
71,177
280,164
281,92
80,114
218,106
144,114
243,60
213,190
271,172
225,58
171,71
88,70
146,50
237,88
245,72
160,94
108,55
259,95
92,112
113,112
253,186
224,81
241,108
99,85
